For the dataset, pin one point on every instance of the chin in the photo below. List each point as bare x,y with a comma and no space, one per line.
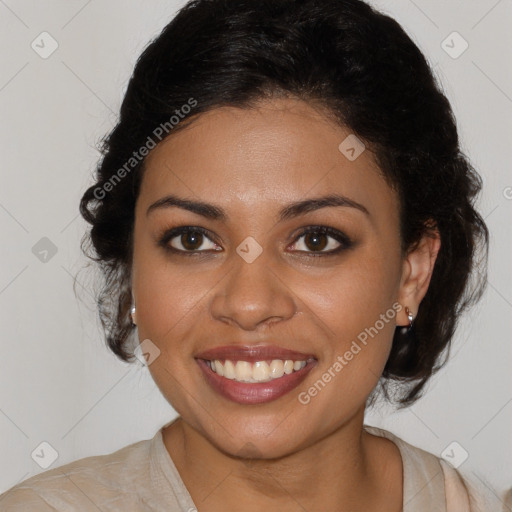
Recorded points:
261,437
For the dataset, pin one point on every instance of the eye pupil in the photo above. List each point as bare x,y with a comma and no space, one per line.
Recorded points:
318,241
191,240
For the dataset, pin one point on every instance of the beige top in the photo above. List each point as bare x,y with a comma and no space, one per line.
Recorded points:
142,477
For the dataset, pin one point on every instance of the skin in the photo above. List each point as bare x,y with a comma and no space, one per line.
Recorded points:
252,163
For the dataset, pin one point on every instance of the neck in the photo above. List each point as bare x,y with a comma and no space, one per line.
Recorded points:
342,471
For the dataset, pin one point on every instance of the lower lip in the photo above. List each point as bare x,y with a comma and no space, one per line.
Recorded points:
257,393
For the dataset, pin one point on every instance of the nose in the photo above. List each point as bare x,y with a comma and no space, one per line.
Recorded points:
251,295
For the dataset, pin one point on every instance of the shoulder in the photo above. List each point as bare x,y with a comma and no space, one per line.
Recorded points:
477,494
82,483
439,482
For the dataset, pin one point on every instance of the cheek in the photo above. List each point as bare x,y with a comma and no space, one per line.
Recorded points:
359,324
354,307
165,296
355,310
354,294
172,301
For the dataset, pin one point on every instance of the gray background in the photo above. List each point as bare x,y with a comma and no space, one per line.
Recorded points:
58,382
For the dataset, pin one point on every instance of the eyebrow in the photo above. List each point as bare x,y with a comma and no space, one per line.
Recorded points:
292,210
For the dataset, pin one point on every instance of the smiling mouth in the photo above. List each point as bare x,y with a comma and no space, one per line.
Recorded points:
256,382
257,371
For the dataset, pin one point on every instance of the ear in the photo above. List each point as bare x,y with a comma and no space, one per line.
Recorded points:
417,269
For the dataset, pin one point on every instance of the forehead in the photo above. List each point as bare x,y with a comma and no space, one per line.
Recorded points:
280,151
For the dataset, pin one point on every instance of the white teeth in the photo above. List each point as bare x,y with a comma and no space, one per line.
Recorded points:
276,368
288,367
260,371
219,368
243,371
229,370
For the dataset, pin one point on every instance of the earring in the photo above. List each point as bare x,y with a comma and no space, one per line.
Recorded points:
132,314
409,317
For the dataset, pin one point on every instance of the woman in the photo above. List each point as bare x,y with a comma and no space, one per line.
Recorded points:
286,223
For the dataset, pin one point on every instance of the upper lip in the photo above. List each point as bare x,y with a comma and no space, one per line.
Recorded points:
252,353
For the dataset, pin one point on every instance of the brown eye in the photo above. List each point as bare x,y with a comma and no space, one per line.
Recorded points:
316,242
188,239
321,241
192,240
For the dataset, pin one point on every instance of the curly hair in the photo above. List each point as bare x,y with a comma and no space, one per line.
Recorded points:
370,76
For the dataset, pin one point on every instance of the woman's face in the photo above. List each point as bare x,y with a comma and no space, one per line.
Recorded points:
254,280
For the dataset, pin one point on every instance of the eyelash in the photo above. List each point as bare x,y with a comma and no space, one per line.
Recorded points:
344,240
